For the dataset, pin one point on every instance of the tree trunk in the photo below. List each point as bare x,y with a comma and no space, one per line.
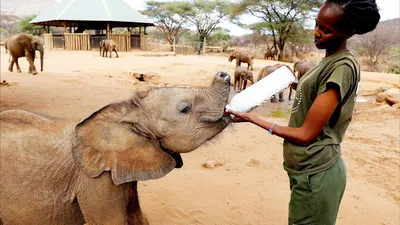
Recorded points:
280,54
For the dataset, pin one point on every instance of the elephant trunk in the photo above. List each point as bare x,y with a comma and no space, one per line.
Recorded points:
41,60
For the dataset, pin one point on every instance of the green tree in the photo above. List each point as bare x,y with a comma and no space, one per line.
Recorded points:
277,17
205,15
169,17
26,27
219,36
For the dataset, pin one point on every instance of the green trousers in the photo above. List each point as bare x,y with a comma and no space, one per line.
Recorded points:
315,198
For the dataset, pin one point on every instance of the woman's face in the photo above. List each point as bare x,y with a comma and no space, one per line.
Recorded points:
327,35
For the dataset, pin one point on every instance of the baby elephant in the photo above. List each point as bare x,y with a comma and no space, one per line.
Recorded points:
241,77
58,172
108,45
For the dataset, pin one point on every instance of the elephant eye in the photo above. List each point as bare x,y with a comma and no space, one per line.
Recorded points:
186,109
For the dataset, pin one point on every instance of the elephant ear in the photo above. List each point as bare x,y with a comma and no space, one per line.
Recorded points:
105,142
25,41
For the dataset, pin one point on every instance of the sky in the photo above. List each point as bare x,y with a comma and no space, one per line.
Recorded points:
389,9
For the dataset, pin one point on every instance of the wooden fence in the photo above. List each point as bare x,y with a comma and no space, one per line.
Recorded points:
48,41
123,41
76,42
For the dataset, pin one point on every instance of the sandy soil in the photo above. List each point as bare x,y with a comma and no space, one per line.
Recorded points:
249,186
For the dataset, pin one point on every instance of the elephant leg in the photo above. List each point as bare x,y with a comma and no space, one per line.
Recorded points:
273,99
17,64
237,62
240,83
114,204
31,59
281,97
111,53
290,94
116,52
244,84
10,67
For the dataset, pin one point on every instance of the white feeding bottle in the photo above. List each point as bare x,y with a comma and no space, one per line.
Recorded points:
262,90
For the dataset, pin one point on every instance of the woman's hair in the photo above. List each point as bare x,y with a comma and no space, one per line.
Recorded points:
362,16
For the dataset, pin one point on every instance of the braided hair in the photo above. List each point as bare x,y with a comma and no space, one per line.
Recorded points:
362,16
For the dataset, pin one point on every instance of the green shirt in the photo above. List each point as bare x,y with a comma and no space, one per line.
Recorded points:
342,71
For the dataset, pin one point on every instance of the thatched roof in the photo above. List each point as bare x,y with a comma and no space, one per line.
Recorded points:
93,14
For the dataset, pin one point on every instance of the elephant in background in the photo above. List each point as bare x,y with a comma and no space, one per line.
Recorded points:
301,67
241,76
270,54
245,57
25,45
265,72
59,172
108,45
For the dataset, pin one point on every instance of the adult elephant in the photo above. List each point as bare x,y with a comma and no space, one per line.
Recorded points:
270,54
242,56
25,45
108,45
301,67
59,172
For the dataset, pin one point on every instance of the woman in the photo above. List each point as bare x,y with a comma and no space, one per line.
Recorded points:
321,113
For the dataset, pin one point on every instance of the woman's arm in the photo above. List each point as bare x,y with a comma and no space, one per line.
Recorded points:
318,115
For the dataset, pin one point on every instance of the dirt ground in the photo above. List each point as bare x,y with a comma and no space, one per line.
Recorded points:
249,186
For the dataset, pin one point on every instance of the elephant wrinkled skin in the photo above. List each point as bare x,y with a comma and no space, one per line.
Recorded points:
25,45
56,172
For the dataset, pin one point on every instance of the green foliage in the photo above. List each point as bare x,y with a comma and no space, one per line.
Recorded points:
26,27
219,36
277,17
169,17
206,15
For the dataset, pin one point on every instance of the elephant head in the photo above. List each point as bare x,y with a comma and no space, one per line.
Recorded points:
141,138
32,43
232,56
302,67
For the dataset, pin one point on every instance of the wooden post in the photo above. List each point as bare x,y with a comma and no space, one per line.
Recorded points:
65,27
108,30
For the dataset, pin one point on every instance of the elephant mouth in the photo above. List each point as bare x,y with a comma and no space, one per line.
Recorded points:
176,156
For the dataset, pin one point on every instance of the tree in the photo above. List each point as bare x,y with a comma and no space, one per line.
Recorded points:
26,27
169,17
9,23
277,17
205,15
375,44
219,36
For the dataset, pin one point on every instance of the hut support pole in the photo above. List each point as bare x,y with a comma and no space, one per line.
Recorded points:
108,29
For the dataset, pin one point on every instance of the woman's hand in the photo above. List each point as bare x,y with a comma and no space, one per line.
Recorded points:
240,117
